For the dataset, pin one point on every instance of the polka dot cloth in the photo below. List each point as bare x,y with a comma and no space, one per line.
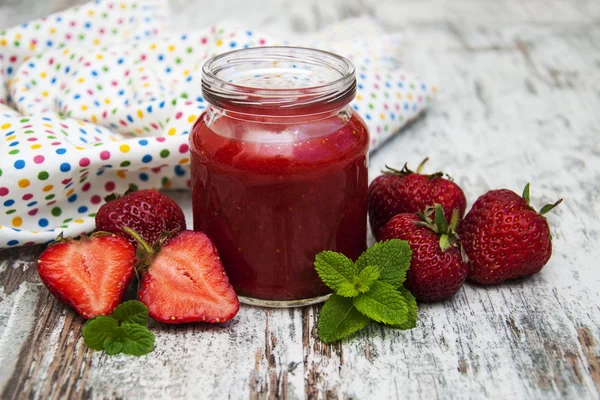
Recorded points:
98,97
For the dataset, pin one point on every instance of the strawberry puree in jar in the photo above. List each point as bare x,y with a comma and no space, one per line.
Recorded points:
279,169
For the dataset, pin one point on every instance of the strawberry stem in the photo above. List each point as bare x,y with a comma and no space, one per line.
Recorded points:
139,239
420,167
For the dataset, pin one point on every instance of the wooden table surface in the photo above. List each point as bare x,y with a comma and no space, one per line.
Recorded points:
519,101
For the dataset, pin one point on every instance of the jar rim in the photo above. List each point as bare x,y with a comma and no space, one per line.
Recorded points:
281,80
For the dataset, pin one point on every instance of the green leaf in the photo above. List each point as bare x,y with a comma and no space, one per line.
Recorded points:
138,340
411,302
347,289
113,347
383,303
549,207
366,277
454,221
335,269
440,219
97,331
526,193
391,257
131,312
339,319
445,242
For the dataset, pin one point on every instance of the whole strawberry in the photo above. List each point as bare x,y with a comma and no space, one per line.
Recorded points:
405,191
504,237
148,212
438,267
90,274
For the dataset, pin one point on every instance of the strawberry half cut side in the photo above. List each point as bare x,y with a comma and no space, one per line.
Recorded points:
186,282
90,274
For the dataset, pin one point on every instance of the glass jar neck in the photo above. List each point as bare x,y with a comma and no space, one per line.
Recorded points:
279,81
213,112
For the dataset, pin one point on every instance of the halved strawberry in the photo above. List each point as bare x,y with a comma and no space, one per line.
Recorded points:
186,282
90,274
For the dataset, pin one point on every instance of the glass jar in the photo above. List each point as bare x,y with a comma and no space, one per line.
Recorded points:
279,169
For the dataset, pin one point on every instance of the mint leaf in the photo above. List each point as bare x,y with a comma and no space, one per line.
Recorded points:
339,319
366,277
383,303
131,312
391,257
335,269
347,289
113,347
138,340
97,331
411,302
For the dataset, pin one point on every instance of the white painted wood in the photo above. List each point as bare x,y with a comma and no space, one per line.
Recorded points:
519,101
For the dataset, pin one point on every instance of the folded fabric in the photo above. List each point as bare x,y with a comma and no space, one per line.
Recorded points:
97,98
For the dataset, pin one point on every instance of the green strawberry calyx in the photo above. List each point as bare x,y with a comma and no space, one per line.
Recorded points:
115,196
145,251
547,208
405,171
438,224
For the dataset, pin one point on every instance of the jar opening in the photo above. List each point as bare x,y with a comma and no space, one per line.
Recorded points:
278,81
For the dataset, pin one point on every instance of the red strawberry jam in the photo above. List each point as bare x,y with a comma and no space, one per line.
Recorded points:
274,185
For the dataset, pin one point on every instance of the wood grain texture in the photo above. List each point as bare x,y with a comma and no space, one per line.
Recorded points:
519,99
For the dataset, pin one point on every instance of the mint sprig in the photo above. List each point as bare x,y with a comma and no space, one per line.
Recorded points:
124,331
369,289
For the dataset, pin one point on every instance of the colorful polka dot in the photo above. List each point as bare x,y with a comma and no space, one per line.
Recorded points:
135,137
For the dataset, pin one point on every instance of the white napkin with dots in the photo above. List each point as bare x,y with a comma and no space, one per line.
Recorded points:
100,97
